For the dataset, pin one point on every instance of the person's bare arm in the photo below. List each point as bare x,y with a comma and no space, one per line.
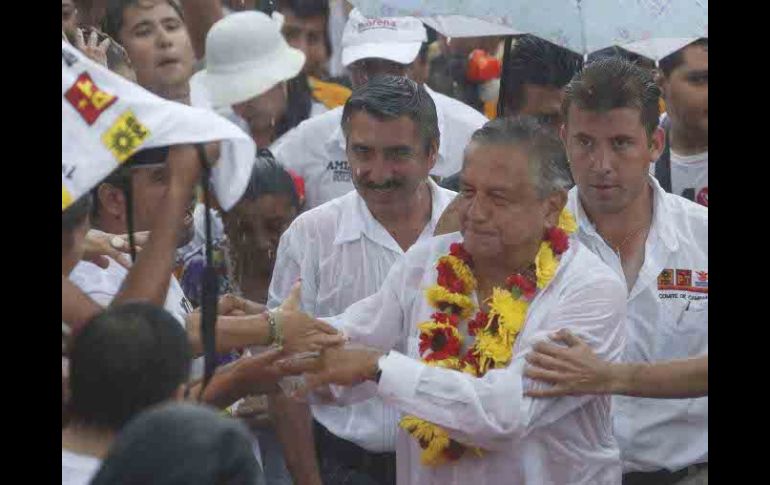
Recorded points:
199,16
149,277
76,307
293,423
575,370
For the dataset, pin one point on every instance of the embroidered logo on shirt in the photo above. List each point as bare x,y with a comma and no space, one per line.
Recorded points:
682,280
340,170
125,136
86,97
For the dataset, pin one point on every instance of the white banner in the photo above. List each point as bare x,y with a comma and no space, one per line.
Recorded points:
106,119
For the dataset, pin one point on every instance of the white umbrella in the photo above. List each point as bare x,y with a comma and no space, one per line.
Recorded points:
583,26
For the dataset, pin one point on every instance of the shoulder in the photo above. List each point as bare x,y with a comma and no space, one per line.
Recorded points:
315,128
688,219
459,113
586,271
425,253
323,219
92,278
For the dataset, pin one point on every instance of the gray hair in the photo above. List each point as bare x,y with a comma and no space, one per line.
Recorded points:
547,157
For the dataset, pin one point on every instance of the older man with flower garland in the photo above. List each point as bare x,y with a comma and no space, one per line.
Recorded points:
444,340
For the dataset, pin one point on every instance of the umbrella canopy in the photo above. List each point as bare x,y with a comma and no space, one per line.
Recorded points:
464,26
657,49
582,26
106,119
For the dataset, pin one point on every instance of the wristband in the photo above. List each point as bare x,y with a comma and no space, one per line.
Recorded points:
276,330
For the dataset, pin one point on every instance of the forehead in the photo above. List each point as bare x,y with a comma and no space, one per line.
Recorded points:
695,57
605,124
496,166
147,10
265,206
316,22
365,129
541,99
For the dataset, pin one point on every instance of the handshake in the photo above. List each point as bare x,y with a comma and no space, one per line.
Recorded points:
298,345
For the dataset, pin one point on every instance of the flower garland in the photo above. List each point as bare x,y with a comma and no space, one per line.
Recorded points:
495,332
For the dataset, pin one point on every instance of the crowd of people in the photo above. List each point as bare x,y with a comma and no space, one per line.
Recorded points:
413,288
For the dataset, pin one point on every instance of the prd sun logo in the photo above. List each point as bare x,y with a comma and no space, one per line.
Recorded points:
125,136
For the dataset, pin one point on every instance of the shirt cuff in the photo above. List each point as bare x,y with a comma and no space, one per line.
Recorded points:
400,376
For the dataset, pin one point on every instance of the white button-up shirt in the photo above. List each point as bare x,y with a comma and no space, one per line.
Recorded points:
343,255
667,319
564,441
316,148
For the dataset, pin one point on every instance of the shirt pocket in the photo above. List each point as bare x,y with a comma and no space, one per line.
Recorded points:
685,330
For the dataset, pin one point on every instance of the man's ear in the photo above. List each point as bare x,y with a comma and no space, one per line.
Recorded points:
554,204
657,143
432,154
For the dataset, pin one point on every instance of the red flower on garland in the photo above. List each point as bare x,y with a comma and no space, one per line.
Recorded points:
441,341
527,287
478,323
454,451
458,251
448,279
450,319
472,359
558,238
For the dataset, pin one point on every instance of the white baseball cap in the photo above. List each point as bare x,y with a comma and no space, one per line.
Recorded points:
396,39
246,55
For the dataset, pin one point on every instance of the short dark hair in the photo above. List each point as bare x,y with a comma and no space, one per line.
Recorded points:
269,177
615,51
305,8
390,97
113,16
126,359
547,157
539,62
612,83
672,61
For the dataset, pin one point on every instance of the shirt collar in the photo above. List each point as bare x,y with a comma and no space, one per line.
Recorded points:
357,220
662,225
337,137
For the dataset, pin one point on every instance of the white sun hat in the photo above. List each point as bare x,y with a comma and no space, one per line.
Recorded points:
246,55
396,39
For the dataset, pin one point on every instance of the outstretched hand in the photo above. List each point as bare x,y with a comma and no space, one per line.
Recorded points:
301,332
572,370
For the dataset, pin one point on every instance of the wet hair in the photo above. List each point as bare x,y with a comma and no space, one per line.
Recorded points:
390,97
615,51
113,16
672,61
547,157
126,359
181,443
309,8
612,83
536,61
269,177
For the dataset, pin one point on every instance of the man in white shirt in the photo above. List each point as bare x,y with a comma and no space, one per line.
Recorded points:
148,185
514,184
683,166
658,242
316,148
342,250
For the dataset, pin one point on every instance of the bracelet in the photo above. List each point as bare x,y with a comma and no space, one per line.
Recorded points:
276,330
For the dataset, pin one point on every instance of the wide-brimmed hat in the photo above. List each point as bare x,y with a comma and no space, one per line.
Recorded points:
246,55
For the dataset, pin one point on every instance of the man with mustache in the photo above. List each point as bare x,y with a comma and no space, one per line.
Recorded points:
342,251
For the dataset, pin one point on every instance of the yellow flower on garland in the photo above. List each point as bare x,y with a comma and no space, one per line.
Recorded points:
462,271
437,295
511,313
567,221
432,439
546,265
